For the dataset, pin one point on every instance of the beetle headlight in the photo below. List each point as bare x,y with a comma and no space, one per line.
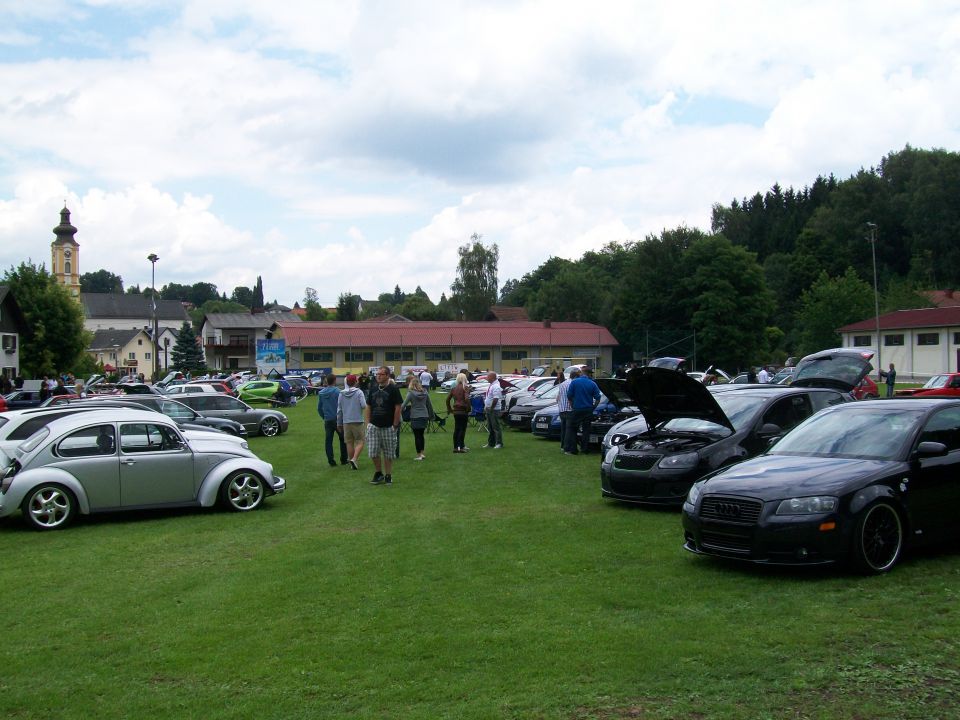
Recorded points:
679,462
807,505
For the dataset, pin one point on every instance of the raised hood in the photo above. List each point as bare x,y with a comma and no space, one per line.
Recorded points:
663,395
839,369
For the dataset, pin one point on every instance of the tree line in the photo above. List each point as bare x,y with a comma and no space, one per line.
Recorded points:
776,275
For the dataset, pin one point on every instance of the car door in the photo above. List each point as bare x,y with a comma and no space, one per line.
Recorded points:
156,466
785,413
934,486
90,455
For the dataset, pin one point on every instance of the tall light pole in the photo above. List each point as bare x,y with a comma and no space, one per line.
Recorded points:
152,257
876,295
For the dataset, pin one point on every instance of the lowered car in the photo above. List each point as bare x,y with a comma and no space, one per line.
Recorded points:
943,385
186,417
691,430
521,415
103,461
255,421
861,482
259,391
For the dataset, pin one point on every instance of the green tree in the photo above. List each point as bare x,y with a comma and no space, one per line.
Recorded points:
55,338
243,296
728,301
257,304
348,307
101,281
831,303
202,292
475,288
311,304
134,289
173,291
215,306
186,354
576,294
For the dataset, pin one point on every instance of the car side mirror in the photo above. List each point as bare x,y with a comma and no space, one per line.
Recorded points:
768,430
931,449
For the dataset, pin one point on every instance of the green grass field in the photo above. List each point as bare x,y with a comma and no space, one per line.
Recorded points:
495,584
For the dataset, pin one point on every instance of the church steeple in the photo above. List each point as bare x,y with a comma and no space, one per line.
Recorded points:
65,255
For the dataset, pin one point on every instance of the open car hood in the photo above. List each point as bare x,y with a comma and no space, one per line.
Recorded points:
838,368
662,395
616,392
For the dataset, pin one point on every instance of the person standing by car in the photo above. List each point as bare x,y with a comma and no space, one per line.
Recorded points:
491,405
891,376
458,402
383,421
327,402
763,376
351,404
567,444
584,396
421,412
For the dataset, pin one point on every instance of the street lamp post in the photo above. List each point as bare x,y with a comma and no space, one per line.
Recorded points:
876,295
152,257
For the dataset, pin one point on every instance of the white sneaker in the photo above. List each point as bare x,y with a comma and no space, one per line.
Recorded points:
419,457
498,447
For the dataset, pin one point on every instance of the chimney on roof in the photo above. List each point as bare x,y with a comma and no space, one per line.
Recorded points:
546,322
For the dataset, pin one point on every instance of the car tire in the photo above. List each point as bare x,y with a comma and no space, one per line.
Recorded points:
49,507
242,491
270,426
877,539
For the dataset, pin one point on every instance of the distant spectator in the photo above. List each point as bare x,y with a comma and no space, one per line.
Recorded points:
891,376
763,376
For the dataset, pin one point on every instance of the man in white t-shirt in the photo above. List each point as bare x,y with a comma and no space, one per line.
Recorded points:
763,376
425,379
491,405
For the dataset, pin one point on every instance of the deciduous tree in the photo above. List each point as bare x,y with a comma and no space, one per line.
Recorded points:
475,288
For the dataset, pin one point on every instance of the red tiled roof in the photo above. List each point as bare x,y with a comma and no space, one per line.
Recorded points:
444,334
943,298
906,319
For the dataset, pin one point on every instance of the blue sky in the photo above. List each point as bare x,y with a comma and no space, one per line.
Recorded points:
353,146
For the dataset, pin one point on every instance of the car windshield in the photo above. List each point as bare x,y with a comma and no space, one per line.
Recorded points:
937,381
739,409
857,433
547,393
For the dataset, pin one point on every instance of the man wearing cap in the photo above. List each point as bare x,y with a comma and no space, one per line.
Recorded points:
350,410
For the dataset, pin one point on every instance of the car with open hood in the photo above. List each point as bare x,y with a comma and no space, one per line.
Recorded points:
690,429
859,482
106,460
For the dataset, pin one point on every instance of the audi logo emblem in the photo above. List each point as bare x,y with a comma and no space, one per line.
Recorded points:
728,509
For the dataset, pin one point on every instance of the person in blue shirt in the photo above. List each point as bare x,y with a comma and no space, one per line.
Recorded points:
584,396
327,409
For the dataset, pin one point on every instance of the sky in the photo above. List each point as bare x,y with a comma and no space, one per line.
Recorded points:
352,146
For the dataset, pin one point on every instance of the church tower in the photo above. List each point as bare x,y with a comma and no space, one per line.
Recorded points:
65,256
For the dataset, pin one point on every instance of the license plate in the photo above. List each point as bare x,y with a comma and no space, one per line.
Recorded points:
515,418
542,423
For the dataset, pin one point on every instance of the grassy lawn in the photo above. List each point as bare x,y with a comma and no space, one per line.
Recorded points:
495,584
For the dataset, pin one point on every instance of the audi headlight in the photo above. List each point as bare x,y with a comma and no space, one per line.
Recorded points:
679,462
807,505
619,438
694,494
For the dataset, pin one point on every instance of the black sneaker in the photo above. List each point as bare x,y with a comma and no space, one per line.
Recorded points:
377,478
388,480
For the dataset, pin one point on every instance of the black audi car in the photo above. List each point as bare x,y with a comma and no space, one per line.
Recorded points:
690,430
859,482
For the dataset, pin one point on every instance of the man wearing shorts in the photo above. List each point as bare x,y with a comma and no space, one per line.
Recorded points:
383,419
351,404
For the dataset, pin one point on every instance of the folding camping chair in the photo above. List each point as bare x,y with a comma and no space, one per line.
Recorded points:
478,415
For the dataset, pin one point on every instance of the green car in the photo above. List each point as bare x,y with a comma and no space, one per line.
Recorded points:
259,391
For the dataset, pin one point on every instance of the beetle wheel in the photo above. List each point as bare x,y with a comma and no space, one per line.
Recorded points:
878,540
242,491
49,507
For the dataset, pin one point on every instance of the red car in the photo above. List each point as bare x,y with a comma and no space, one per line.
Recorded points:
945,385
866,390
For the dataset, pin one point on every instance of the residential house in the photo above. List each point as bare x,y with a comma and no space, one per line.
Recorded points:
230,339
12,325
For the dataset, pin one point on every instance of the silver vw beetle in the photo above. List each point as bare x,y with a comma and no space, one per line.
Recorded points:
104,460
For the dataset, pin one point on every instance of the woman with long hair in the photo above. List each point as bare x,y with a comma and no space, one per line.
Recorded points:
458,403
421,412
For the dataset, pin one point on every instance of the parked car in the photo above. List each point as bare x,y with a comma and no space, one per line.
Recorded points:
861,482
138,388
783,376
546,422
98,461
943,385
866,389
258,391
669,363
722,377
198,386
299,385
186,417
20,399
256,421
521,415
692,430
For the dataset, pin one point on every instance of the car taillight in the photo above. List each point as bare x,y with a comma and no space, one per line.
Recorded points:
8,476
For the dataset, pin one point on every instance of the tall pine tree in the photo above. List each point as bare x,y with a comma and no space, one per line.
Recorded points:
187,355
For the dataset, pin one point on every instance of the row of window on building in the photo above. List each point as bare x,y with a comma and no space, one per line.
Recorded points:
408,356
897,339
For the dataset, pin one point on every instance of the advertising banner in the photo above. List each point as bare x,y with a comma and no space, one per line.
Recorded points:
271,355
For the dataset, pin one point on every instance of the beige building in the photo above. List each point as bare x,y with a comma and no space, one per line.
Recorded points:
128,352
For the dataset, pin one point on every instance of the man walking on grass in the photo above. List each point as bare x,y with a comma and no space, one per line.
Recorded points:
383,420
491,405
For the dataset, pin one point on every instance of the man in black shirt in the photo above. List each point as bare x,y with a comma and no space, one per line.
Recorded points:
383,419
